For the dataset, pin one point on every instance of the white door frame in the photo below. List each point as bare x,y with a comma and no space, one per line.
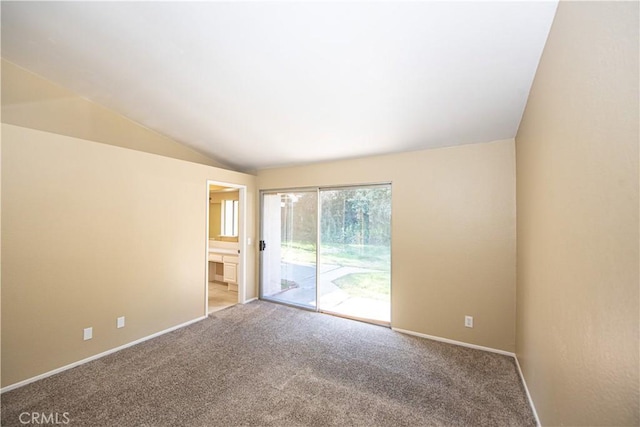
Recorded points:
318,190
242,242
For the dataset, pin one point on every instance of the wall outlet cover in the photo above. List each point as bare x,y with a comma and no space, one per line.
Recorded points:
468,321
120,322
88,333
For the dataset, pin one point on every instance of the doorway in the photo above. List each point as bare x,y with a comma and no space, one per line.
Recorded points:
329,250
226,221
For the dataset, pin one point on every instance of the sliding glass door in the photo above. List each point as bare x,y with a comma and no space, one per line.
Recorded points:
350,274
355,252
288,247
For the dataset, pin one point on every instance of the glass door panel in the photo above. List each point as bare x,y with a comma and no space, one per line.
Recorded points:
288,247
355,252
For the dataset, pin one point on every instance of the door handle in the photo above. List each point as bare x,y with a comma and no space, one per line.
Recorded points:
262,245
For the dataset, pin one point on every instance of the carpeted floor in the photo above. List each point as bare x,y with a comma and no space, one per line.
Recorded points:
263,364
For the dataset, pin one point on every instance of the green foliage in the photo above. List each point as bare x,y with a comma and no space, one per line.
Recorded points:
295,252
364,256
299,218
366,285
359,216
373,257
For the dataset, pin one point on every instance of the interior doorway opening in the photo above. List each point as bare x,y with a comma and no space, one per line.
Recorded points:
226,220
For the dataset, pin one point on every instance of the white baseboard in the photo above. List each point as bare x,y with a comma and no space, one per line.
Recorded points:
182,325
97,356
249,300
526,389
460,343
479,347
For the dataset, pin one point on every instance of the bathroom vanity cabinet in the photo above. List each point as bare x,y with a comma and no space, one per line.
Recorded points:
230,269
223,264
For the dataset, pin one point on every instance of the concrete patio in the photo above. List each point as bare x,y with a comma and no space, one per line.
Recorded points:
331,297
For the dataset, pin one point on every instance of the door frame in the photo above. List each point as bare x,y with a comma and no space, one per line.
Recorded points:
242,243
318,189
261,238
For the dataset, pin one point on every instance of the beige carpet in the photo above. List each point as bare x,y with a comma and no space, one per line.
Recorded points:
264,364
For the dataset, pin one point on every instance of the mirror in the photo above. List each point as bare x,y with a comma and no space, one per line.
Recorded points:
224,214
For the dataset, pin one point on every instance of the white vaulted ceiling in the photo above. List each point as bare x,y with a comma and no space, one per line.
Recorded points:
264,84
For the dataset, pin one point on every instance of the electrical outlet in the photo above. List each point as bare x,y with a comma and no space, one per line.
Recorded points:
88,333
120,322
468,321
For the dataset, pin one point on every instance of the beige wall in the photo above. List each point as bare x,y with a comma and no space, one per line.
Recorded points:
215,218
33,102
577,175
453,235
91,232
